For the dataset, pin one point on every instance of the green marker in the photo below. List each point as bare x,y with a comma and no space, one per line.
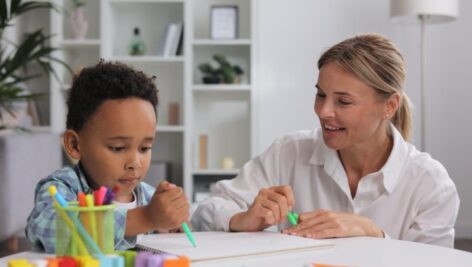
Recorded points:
189,235
292,217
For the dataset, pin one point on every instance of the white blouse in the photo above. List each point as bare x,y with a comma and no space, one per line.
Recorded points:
411,198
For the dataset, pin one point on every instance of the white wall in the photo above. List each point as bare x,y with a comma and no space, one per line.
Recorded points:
291,36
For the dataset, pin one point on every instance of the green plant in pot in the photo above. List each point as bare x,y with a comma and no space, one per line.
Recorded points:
223,73
15,57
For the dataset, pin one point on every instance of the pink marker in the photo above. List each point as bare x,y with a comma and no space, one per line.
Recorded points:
99,195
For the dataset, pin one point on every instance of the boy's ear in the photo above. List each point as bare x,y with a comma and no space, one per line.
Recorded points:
71,144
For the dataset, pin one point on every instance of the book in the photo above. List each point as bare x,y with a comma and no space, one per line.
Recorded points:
163,41
203,151
227,245
169,42
176,34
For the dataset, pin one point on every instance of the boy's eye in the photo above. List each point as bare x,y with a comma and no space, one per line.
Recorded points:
320,95
116,148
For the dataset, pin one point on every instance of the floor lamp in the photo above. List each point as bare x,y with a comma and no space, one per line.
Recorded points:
423,11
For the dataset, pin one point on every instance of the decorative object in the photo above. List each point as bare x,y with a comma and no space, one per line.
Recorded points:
173,113
424,11
224,22
224,73
16,56
227,163
203,151
78,22
136,44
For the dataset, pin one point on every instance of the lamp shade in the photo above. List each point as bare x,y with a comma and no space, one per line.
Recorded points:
434,11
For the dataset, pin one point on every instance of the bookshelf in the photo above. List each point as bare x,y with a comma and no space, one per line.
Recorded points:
222,111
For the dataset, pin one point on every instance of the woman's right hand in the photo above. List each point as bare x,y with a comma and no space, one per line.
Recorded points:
269,207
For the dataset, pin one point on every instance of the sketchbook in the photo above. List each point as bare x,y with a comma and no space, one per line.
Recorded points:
224,245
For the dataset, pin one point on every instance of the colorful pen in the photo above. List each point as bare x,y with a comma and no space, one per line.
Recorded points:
189,234
91,215
292,217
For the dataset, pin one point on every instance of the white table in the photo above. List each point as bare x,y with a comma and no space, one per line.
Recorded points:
358,251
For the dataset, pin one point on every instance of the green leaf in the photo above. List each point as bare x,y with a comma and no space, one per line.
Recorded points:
3,12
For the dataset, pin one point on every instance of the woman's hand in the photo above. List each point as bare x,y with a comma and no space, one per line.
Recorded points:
269,207
327,224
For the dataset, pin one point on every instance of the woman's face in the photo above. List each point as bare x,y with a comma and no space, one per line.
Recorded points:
350,113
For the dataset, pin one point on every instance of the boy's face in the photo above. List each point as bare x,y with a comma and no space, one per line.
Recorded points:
115,143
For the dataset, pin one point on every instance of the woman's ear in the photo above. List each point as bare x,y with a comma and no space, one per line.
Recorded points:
392,105
71,144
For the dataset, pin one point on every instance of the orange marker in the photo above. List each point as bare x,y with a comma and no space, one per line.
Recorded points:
84,218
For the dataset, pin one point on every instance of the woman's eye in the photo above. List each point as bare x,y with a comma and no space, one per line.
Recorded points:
320,95
344,102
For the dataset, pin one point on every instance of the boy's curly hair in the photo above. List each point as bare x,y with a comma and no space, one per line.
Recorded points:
104,81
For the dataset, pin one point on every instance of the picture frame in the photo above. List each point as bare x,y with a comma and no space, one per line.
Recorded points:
224,22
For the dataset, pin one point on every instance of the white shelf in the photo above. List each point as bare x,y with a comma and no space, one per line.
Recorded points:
215,172
146,1
170,128
221,87
73,43
222,42
148,59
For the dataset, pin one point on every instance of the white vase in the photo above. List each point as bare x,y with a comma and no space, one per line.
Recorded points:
78,23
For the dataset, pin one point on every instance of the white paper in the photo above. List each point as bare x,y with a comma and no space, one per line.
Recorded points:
222,245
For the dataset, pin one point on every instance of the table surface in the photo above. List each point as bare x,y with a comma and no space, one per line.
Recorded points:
357,251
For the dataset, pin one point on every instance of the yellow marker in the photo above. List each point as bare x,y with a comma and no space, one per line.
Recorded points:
92,222
19,263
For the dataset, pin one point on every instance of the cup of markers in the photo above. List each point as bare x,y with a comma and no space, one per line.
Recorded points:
85,227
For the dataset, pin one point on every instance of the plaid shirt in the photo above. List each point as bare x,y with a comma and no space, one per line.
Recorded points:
69,181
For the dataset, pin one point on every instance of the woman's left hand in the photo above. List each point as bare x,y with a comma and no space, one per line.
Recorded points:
327,224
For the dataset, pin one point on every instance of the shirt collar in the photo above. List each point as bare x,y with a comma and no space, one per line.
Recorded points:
323,155
396,160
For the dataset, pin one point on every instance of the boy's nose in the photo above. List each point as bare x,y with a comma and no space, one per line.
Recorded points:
134,162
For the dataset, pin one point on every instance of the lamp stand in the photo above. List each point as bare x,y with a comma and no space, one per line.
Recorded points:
422,90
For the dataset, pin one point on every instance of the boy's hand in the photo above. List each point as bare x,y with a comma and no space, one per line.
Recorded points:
168,208
270,207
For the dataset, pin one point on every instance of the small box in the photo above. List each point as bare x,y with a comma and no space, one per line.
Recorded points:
81,230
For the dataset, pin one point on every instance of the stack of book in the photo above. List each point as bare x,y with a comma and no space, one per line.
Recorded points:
171,41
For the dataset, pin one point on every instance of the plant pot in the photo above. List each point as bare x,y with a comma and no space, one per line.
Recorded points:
211,80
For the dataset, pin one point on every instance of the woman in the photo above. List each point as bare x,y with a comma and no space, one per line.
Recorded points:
356,175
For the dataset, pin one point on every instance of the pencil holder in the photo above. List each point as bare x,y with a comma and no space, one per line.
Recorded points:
84,230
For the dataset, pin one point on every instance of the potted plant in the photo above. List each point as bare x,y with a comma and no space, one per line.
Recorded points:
223,73
15,57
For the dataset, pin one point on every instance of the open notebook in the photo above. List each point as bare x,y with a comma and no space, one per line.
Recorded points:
222,245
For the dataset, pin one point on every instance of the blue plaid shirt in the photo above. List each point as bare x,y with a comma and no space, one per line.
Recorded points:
69,181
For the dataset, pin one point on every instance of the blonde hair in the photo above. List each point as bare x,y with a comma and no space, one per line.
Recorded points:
377,62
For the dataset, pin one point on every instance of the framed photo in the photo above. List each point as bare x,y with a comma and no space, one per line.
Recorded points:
224,22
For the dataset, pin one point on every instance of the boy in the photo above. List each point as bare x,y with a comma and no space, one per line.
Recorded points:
111,126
